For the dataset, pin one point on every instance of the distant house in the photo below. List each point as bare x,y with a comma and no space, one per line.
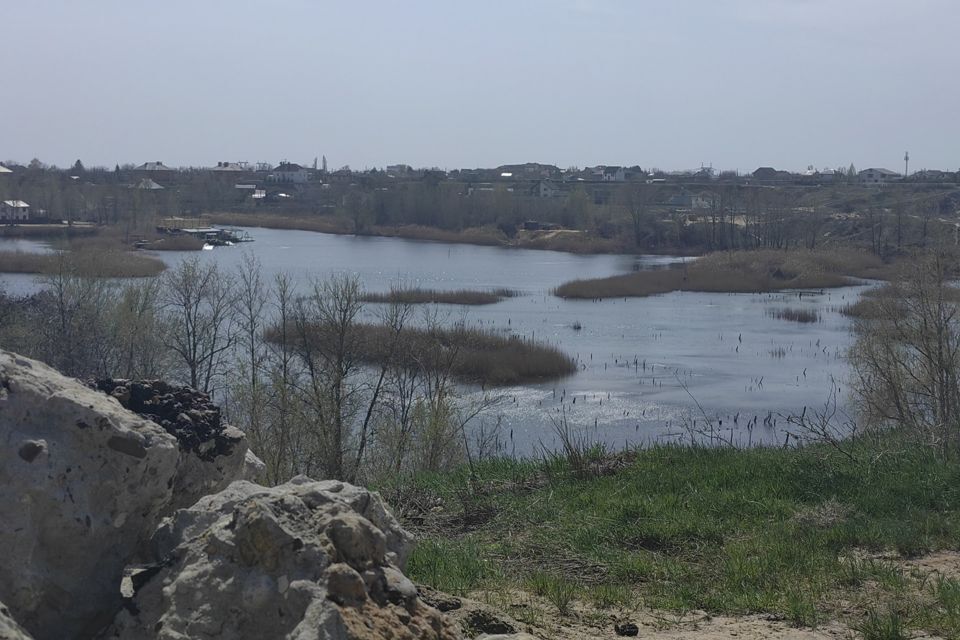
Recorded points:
529,171
933,175
14,211
609,174
146,184
686,200
769,174
3,169
548,189
230,166
289,172
153,166
877,176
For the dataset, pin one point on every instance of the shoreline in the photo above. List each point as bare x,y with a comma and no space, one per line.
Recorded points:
565,241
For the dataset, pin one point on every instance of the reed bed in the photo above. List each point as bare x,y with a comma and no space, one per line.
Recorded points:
472,355
795,315
432,296
738,272
320,224
98,264
175,243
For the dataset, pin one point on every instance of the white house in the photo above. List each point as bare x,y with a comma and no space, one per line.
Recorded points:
289,172
14,211
609,174
877,176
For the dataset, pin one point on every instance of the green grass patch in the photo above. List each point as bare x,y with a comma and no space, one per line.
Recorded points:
773,531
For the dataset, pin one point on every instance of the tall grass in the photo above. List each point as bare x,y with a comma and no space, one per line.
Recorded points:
737,272
433,296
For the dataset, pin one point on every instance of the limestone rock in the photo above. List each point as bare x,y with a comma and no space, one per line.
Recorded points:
305,560
254,469
213,453
82,485
9,629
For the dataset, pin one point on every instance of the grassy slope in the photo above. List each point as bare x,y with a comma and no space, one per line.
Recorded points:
776,531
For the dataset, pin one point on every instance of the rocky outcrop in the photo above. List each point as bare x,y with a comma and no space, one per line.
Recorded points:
214,454
83,484
89,488
9,629
305,560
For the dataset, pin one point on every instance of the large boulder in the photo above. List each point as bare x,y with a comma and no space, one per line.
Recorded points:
305,560
83,484
9,629
214,454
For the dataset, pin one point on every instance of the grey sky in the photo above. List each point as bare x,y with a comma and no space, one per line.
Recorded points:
671,84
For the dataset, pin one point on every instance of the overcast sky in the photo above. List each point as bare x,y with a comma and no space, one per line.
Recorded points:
669,84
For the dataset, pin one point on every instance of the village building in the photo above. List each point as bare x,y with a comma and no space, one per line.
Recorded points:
289,172
146,184
153,166
609,174
548,189
14,211
877,176
230,166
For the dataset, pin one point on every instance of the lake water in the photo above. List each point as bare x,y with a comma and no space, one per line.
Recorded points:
647,366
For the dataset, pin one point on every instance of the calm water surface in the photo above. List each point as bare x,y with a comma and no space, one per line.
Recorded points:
645,364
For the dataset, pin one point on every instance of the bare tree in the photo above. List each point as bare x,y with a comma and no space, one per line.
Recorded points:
907,359
198,300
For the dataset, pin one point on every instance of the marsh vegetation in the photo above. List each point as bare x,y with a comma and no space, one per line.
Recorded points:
434,296
738,272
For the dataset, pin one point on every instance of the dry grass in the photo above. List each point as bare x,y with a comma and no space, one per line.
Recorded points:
489,236
175,243
738,272
47,230
93,263
795,315
432,296
320,224
473,356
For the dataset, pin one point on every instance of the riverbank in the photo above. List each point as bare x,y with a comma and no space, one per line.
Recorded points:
739,272
810,536
566,240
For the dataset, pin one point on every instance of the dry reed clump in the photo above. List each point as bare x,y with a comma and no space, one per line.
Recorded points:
98,264
176,243
737,272
489,236
470,355
873,303
432,296
320,224
795,315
